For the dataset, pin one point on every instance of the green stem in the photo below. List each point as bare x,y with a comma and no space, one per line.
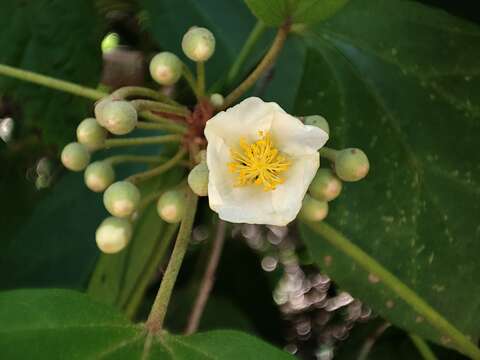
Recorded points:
132,304
247,48
328,153
159,169
201,78
369,264
52,83
163,120
138,91
187,74
267,61
149,105
148,159
156,317
109,143
160,126
422,347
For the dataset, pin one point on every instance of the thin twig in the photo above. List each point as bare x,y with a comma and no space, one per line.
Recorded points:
109,143
201,78
423,347
208,279
150,105
371,340
138,91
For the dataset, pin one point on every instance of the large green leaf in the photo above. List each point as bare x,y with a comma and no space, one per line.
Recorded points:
398,80
56,38
63,324
276,12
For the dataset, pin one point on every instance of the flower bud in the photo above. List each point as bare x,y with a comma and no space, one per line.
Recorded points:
313,209
99,106
119,117
201,156
99,175
75,156
325,185
351,164
91,134
198,44
217,100
198,179
166,68
113,235
318,121
42,182
171,206
121,199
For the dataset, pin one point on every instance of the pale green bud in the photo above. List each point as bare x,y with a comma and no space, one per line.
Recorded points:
313,209
318,121
91,134
351,164
113,235
99,175
198,44
75,156
217,100
198,179
171,206
120,117
121,199
99,106
325,185
166,68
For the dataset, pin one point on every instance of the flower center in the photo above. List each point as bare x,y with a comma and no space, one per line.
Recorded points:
259,163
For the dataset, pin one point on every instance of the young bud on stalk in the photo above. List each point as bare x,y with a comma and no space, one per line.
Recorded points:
119,117
91,134
351,164
113,235
99,106
313,209
166,68
99,175
198,179
121,199
171,206
198,44
318,121
217,100
325,185
75,156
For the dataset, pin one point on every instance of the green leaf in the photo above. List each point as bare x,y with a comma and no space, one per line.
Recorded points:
408,101
276,12
59,324
55,38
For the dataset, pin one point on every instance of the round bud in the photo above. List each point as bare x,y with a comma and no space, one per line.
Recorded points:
99,175
313,209
113,235
351,164
91,134
198,44
171,206
42,182
119,117
75,156
198,179
217,100
121,199
325,185
99,106
166,68
318,121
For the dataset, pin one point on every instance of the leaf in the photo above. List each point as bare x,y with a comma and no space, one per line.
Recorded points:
407,101
276,12
59,324
55,38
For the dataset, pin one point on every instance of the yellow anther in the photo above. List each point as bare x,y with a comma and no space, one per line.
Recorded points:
259,163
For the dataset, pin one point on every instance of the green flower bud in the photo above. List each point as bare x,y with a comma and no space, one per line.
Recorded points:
313,209
166,68
325,185
318,121
198,179
91,134
351,164
198,44
99,175
99,106
42,182
113,235
121,199
171,206
201,156
217,100
119,117
75,156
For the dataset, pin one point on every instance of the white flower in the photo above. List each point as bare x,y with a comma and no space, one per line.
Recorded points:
261,162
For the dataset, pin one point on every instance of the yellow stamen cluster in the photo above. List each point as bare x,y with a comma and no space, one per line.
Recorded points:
259,163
